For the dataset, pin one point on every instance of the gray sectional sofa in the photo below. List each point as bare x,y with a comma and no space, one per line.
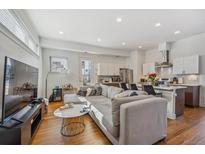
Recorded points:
139,119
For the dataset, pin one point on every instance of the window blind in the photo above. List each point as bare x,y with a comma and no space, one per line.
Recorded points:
8,20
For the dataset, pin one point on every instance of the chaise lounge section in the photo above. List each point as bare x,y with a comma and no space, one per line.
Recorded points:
140,119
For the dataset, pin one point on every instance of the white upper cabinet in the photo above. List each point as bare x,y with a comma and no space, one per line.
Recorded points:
148,68
186,65
191,65
178,66
102,69
108,69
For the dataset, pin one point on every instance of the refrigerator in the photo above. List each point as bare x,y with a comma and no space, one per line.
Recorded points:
126,75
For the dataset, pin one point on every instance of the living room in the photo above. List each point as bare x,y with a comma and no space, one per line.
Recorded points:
105,77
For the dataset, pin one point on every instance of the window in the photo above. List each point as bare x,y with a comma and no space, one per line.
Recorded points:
17,28
85,71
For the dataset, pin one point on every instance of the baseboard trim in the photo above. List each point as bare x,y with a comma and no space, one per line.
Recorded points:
171,116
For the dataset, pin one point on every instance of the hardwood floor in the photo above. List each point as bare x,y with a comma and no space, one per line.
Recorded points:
49,131
187,129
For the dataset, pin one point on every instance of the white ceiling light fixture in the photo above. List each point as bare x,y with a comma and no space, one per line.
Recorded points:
139,46
61,32
123,43
99,40
158,24
177,32
118,19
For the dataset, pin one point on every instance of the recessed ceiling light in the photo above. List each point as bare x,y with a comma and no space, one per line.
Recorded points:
157,24
118,19
99,40
61,32
140,46
123,43
177,32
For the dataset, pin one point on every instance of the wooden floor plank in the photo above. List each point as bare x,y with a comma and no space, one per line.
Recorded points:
187,129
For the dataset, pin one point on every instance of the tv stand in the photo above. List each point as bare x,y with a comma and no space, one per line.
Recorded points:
21,127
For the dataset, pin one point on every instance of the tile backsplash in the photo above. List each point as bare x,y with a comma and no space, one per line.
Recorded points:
189,79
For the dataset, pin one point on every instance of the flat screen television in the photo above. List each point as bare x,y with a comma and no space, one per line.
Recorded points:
19,87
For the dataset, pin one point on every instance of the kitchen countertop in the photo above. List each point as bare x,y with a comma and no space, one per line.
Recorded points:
167,88
187,84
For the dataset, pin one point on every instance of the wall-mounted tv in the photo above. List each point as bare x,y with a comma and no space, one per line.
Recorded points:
19,87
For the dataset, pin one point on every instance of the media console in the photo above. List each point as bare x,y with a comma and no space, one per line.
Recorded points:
21,127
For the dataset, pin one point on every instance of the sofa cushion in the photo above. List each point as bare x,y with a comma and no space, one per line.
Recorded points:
117,102
112,91
128,93
102,109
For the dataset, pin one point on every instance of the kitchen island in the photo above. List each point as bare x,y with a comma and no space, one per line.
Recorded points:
175,96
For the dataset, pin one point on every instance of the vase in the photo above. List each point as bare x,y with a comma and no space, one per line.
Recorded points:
153,83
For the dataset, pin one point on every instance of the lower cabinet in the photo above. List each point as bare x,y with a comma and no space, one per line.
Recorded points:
192,95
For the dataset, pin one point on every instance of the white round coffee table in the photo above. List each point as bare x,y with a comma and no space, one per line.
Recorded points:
73,122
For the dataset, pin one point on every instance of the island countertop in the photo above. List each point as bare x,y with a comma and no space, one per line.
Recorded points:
166,88
175,96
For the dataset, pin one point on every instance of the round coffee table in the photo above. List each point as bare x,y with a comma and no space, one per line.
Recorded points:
73,122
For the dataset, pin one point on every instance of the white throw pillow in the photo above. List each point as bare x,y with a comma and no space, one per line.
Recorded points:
112,91
140,92
127,93
89,90
123,94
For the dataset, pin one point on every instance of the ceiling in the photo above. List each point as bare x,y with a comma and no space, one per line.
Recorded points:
136,29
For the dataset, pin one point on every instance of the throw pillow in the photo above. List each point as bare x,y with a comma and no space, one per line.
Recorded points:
123,94
89,91
128,93
93,92
139,92
114,91
82,93
98,90
133,93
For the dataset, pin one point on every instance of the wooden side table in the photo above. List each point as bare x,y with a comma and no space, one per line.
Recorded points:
57,94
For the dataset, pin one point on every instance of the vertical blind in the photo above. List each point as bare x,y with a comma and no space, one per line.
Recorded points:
8,20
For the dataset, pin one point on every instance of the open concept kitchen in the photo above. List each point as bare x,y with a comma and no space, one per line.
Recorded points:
178,82
176,79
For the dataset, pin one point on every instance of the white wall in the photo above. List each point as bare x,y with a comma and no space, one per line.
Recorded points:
135,61
185,47
56,79
80,47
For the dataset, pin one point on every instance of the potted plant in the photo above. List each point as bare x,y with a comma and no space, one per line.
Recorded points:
152,78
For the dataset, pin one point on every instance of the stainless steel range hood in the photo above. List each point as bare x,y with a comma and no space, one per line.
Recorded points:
164,48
